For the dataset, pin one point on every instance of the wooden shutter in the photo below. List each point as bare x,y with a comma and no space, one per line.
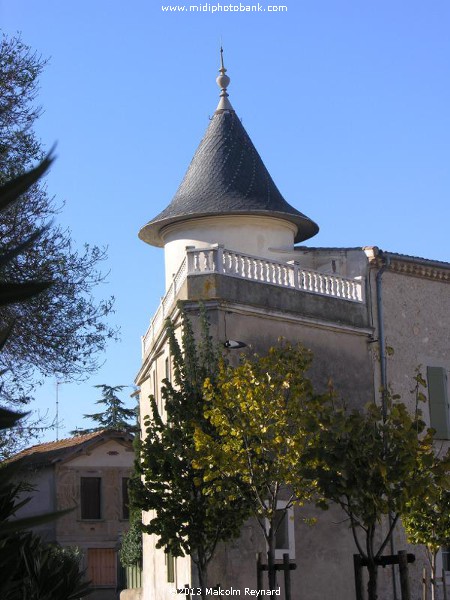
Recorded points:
102,569
90,492
438,399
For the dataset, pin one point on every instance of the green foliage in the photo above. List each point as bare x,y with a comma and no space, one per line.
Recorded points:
427,516
262,417
60,331
115,416
44,571
29,569
373,467
188,519
130,552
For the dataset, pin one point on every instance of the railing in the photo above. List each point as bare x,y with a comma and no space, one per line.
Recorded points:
163,309
201,261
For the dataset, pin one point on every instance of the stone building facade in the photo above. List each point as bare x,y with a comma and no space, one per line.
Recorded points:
231,242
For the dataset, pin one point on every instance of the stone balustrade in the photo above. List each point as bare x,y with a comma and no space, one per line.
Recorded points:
201,261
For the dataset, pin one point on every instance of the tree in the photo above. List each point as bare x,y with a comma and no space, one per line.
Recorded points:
15,544
130,553
427,516
61,331
115,416
188,520
427,522
372,465
29,568
261,413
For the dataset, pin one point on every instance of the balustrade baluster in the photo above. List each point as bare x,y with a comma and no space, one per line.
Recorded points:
227,262
320,282
258,270
219,259
254,268
235,264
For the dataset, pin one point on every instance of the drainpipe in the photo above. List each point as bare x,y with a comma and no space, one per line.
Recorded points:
383,377
381,340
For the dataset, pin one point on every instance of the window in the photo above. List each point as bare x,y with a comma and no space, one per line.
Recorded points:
284,535
438,401
282,530
102,569
446,558
90,494
125,499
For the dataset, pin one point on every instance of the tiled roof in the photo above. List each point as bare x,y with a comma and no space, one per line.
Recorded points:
52,451
226,177
419,259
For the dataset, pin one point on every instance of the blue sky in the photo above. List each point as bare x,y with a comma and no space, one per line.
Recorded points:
347,101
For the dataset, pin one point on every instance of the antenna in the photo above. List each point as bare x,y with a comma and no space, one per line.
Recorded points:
58,383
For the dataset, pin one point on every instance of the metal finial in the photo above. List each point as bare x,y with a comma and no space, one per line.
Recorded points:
223,81
222,68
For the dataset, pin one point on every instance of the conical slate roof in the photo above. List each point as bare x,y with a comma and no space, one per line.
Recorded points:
226,177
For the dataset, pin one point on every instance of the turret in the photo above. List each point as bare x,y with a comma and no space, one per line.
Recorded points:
226,197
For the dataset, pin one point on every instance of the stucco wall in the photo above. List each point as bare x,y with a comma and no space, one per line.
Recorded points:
42,499
255,235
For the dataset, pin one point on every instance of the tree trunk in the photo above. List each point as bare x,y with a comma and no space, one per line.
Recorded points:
433,575
202,572
271,562
372,585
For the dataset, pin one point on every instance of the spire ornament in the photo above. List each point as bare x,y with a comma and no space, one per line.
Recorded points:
223,81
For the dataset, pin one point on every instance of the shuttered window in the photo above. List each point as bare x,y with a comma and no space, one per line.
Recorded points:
90,495
102,569
438,400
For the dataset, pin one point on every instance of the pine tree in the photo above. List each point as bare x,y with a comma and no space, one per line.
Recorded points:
115,416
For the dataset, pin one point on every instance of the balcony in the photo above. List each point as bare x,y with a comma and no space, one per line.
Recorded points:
219,260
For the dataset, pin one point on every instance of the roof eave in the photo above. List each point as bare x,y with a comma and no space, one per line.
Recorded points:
152,233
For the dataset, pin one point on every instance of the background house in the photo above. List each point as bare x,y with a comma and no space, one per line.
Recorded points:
88,473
